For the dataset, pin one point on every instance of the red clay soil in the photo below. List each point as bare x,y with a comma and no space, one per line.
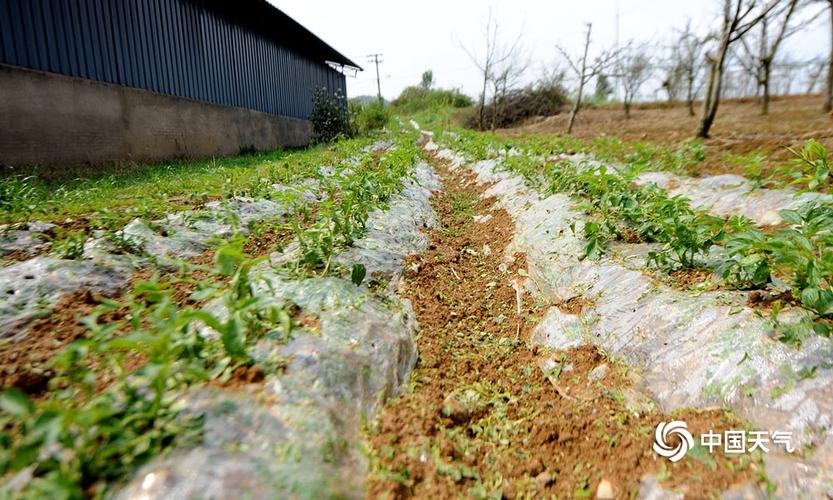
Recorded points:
690,278
738,129
480,417
575,305
268,240
26,362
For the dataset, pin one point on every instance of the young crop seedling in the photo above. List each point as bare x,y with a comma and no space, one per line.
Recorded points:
747,258
114,398
813,165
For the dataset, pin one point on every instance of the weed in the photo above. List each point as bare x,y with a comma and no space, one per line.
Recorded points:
103,416
18,194
801,254
814,167
71,246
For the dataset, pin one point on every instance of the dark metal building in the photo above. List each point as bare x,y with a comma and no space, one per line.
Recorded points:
242,53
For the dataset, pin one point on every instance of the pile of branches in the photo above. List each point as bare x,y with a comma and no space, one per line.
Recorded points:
515,106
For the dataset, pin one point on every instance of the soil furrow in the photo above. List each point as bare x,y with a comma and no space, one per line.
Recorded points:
486,415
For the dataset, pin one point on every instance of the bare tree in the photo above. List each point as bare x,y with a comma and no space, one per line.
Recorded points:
739,16
496,54
672,74
585,70
504,78
689,63
763,56
635,67
816,68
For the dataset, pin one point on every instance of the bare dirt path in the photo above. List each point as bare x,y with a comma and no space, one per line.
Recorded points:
481,418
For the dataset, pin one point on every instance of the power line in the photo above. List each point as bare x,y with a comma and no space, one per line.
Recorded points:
376,59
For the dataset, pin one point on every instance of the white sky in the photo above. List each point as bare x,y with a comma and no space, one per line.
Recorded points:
415,36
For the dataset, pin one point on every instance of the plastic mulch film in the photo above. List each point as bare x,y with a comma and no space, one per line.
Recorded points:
298,436
728,194
691,349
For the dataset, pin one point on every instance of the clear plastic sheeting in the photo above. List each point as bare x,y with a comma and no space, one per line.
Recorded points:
727,195
27,242
396,232
27,238
188,234
31,288
297,436
692,349
722,195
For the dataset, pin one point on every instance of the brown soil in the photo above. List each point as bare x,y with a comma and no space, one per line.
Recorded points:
764,299
268,241
19,256
575,305
629,235
240,377
689,278
26,362
479,416
738,129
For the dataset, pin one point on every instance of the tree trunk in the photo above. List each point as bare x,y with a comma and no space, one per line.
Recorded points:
483,100
706,118
627,104
574,111
762,75
494,110
582,80
828,98
766,71
712,97
689,98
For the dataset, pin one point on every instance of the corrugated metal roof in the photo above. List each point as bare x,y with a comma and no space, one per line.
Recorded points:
272,22
304,36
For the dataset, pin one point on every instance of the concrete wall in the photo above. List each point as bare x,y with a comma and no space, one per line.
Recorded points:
58,121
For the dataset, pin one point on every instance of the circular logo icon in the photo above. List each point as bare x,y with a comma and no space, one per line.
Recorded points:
661,440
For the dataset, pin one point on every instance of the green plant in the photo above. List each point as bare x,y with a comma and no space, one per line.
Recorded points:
71,246
748,263
329,117
419,98
123,243
357,274
365,118
18,194
803,252
814,173
799,254
83,437
691,152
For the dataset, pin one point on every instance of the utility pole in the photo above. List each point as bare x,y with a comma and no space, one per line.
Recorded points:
376,59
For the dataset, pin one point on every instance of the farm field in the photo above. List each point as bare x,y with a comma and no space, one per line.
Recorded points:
520,253
740,132
415,313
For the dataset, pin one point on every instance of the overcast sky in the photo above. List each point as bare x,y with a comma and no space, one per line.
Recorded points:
415,36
